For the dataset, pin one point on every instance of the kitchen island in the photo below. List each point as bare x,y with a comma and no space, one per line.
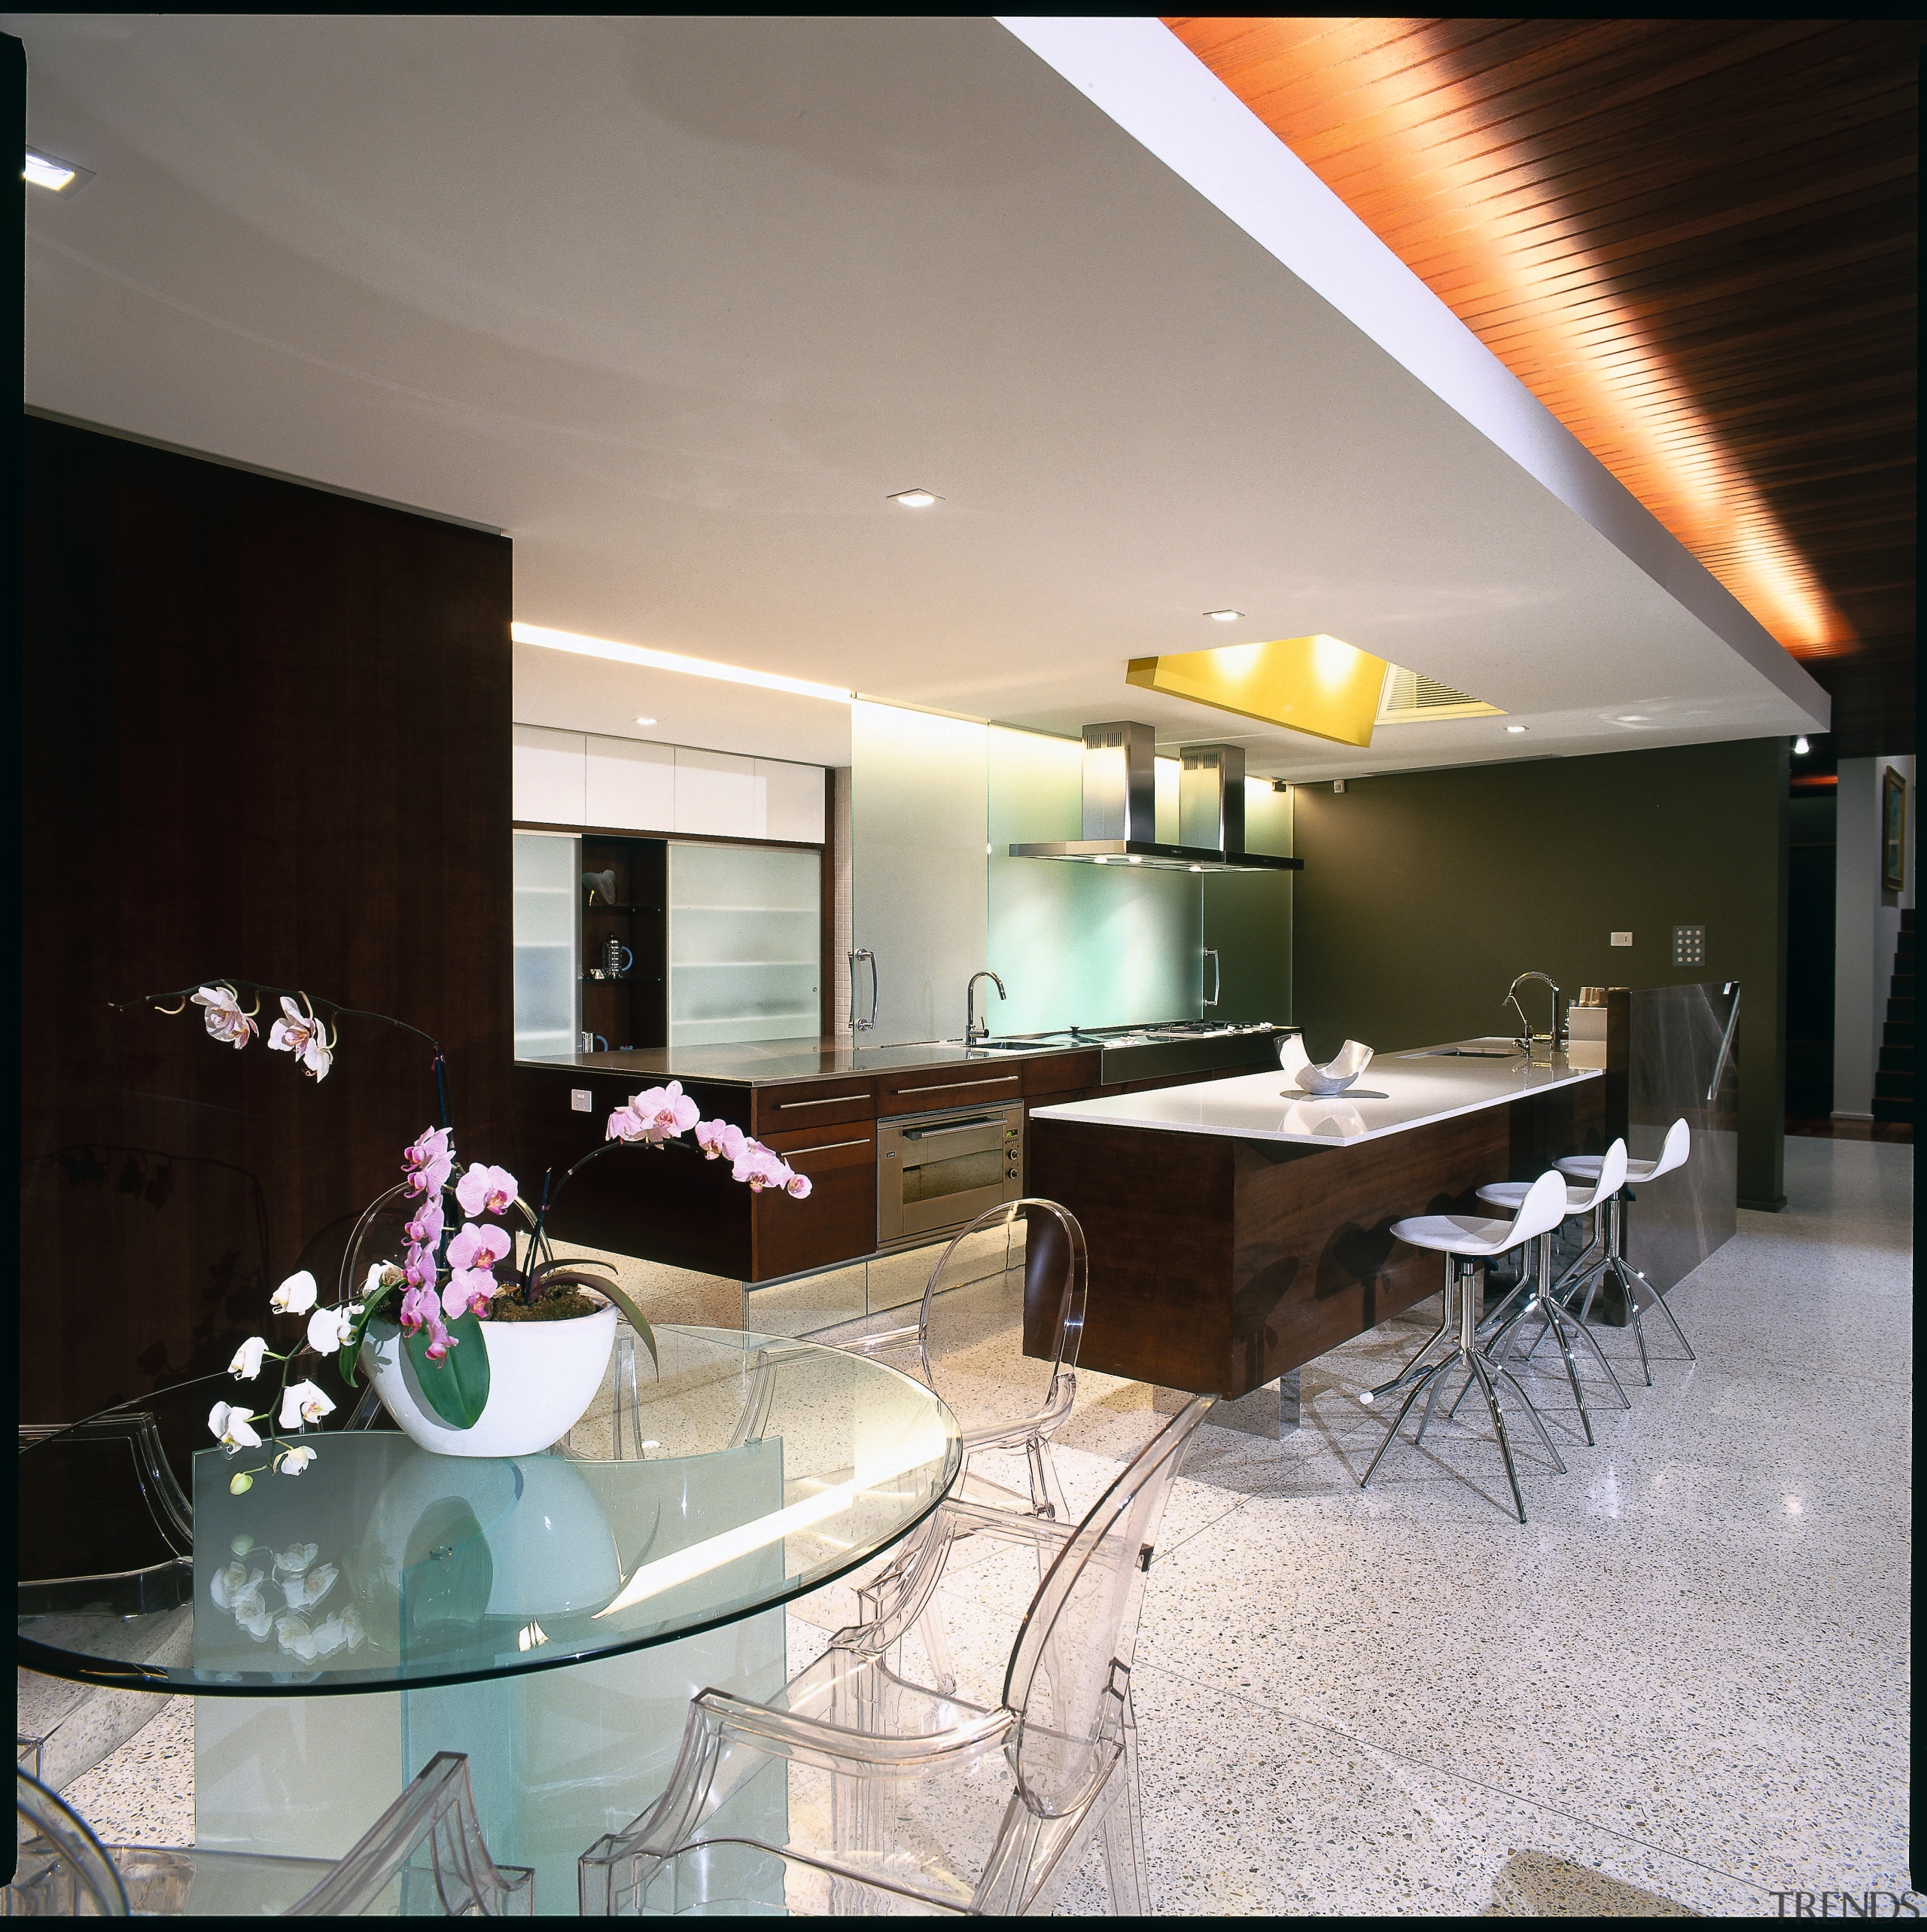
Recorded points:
1238,1230
828,1108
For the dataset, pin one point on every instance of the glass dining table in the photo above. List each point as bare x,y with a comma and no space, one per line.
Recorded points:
549,1615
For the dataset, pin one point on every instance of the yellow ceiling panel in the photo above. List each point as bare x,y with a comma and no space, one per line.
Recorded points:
1320,685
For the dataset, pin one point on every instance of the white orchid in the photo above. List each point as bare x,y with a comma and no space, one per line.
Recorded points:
302,1403
292,1462
343,1628
302,1593
247,1362
295,1295
242,1545
378,1275
302,1032
233,1428
328,1328
295,1560
228,1586
258,1621
225,1019
293,1635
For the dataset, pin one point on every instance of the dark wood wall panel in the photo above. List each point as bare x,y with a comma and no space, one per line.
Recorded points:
1695,241
266,733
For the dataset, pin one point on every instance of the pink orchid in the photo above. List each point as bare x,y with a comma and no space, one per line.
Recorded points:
429,1161
719,1137
421,1308
425,1230
225,1019
420,1270
661,1113
486,1190
760,1168
798,1186
472,1254
301,1032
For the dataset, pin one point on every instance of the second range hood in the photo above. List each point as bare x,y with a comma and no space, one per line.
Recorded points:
1121,805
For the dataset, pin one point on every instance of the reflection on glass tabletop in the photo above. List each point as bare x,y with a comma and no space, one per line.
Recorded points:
768,1467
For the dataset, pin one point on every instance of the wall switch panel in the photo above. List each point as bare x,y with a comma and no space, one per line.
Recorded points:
1689,945
580,1100
1622,939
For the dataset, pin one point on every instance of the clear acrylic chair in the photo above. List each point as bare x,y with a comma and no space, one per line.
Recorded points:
1015,1278
424,1856
856,1789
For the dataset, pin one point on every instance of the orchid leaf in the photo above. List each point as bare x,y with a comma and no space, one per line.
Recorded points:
457,1387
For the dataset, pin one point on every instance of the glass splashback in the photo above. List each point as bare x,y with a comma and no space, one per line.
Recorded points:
548,867
745,937
917,836
1080,944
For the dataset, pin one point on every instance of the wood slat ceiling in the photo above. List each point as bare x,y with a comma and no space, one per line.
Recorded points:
1695,242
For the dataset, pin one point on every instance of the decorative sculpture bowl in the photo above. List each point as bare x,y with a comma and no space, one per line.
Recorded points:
1334,1077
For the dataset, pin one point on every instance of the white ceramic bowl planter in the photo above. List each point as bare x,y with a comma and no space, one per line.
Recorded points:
542,1377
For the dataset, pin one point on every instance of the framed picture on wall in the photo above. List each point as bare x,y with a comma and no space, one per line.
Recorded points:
1893,832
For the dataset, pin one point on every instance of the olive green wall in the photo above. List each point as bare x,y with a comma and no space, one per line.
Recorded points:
1424,894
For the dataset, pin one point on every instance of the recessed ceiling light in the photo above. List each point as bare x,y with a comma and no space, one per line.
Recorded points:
1136,859
49,171
1633,718
1224,616
1102,860
913,499
1516,728
1800,747
1198,868
645,720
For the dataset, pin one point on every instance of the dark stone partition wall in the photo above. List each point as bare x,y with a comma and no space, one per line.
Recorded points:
266,733
1423,893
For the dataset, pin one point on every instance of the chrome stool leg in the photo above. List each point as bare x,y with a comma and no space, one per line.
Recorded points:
1412,1368
1466,1353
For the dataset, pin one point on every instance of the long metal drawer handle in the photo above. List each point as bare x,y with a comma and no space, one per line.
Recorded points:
967,1127
828,1147
829,1100
951,1086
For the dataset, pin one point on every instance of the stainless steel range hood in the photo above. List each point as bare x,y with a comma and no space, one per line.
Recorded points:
1121,807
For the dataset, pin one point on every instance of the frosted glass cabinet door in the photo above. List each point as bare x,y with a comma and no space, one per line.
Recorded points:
548,990
745,925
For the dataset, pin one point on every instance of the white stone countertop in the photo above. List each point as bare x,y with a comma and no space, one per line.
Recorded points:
1395,1094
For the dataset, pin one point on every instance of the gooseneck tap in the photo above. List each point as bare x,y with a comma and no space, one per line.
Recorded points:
1556,1037
972,1032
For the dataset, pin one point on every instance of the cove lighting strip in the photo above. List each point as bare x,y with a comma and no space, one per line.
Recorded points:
671,660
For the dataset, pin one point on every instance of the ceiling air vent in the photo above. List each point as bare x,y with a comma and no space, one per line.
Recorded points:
1410,697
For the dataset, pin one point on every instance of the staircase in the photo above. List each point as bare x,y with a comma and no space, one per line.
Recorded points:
1893,1084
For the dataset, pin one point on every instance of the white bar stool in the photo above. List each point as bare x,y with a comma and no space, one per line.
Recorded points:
1465,1240
1673,1153
1541,1292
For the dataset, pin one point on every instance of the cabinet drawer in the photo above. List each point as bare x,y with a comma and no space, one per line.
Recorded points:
931,1089
1059,1073
838,1222
814,1103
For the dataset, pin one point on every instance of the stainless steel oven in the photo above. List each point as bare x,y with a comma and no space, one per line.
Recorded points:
936,1172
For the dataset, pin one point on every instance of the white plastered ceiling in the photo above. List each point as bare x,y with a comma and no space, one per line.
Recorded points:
677,303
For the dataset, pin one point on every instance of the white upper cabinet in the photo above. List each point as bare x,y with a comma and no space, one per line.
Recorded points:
789,801
716,794
632,786
549,776
622,784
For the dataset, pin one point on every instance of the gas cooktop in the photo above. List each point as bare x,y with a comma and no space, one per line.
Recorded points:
1135,1036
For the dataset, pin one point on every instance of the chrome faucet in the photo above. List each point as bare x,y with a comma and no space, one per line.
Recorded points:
972,1032
1556,1037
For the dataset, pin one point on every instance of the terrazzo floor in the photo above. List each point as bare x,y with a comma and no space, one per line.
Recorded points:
1682,1686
